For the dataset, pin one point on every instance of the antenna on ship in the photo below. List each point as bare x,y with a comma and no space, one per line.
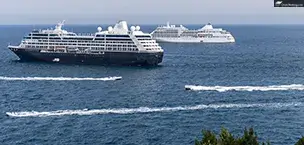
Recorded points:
168,24
34,27
60,24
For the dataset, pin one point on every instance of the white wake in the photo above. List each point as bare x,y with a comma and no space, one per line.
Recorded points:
145,109
245,88
58,79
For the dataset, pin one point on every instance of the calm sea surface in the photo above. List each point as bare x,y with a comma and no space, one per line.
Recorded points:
150,106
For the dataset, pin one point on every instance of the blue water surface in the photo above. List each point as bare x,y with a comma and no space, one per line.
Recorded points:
263,55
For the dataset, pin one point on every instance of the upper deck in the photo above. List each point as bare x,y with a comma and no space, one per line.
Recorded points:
117,38
119,30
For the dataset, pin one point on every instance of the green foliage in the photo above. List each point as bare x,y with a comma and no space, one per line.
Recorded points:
226,138
249,138
301,141
208,139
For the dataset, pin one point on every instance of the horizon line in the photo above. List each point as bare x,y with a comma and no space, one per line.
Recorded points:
43,24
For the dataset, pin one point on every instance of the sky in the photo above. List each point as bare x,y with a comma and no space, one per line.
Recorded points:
147,12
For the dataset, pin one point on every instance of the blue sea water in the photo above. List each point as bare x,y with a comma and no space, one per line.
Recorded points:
150,105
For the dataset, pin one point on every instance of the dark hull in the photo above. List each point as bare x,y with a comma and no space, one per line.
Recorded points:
108,58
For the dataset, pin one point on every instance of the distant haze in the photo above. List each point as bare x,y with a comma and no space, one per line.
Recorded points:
147,12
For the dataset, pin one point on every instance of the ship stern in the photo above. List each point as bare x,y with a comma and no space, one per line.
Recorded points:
157,58
151,59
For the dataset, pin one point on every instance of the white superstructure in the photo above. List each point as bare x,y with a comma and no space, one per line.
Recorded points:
115,39
206,34
116,45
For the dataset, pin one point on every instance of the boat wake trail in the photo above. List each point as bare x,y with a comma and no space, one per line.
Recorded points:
245,88
58,79
146,109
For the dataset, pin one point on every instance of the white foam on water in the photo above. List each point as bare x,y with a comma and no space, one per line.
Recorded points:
145,109
57,79
245,88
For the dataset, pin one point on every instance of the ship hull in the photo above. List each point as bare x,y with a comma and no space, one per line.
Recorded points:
106,58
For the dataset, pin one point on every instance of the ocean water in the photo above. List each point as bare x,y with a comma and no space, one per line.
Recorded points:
256,82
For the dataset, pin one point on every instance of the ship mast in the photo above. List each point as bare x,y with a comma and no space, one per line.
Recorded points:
59,25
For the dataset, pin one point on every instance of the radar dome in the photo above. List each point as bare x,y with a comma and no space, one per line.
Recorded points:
132,28
137,28
99,29
110,28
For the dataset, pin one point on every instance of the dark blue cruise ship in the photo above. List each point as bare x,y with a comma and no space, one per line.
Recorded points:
116,46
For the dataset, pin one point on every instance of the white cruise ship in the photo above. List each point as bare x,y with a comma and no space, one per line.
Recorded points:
180,34
117,45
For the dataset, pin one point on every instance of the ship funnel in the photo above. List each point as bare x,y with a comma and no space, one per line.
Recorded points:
208,26
121,27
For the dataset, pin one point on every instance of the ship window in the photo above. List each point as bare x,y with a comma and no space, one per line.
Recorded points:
115,39
53,34
40,34
126,36
54,38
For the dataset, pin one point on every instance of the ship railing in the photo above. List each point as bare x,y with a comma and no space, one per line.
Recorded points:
85,34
